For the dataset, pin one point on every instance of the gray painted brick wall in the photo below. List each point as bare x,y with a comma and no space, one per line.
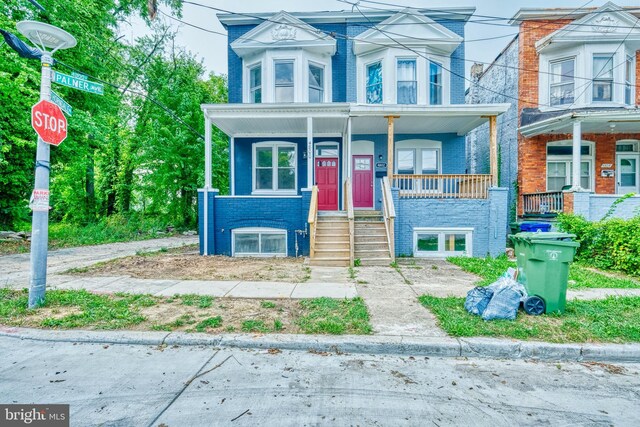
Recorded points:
595,206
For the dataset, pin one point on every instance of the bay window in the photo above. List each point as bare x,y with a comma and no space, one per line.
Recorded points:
255,84
374,83
435,83
562,82
407,84
284,87
316,83
274,167
603,77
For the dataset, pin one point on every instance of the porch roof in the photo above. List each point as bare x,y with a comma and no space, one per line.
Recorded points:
331,119
621,120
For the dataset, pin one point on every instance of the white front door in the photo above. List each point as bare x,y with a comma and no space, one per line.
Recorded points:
627,173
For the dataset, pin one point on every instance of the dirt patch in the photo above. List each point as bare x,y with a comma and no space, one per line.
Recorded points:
186,264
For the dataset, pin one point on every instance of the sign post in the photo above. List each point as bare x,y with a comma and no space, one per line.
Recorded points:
47,122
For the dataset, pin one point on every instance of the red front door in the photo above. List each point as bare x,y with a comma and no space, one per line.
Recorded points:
362,181
327,182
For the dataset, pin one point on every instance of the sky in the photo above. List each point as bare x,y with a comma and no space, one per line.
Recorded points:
212,48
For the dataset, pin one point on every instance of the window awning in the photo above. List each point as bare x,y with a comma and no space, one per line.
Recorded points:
608,121
331,119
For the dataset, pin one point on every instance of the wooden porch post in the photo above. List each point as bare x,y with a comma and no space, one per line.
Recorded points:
390,145
493,150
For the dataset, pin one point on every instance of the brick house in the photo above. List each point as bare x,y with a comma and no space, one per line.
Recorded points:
347,144
576,145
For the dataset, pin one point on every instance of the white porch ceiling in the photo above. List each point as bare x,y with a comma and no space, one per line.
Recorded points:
592,122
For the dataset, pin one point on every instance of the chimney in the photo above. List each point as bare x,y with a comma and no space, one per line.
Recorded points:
476,72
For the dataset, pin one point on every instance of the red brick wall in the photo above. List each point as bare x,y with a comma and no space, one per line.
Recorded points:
532,151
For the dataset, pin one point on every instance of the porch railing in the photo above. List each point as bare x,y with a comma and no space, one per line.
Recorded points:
443,186
313,220
543,203
348,206
389,215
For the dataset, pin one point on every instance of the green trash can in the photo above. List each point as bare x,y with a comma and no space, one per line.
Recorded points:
543,268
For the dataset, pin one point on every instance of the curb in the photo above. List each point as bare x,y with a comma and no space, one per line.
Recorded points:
387,345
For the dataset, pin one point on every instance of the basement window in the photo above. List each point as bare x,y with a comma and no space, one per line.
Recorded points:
442,242
259,242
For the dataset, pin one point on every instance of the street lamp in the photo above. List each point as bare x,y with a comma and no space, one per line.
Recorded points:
44,36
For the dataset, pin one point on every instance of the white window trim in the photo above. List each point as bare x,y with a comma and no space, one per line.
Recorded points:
324,80
575,92
583,75
389,57
259,231
301,59
632,79
439,63
274,146
567,158
418,145
405,58
441,231
326,144
246,80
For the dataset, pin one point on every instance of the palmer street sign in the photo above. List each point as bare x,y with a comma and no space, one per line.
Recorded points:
79,82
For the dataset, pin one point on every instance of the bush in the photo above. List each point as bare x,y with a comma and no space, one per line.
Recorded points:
611,244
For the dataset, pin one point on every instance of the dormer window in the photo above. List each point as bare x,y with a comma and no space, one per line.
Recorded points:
435,83
562,81
407,83
316,83
374,83
284,87
602,77
255,79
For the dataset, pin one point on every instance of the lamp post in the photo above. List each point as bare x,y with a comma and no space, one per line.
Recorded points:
44,36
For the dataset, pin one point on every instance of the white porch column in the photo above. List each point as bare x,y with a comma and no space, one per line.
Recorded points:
349,149
207,151
232,165
576,154
310,161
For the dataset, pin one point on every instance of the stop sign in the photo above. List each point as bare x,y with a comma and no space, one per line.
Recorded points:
49,122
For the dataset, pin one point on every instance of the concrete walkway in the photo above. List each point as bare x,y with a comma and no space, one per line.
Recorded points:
14,269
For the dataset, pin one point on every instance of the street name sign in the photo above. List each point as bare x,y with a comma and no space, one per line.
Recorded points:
64,105
49,122
78,81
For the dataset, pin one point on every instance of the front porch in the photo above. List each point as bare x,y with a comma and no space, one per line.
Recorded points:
290,162
579,161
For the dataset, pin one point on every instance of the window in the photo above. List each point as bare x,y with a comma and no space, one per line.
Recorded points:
284,90
407,85
430,161
259,242
560,166
435,83
602,77
628,76
442,242
275,167
562,82
374,83
406,162
316,83
327,150
255,84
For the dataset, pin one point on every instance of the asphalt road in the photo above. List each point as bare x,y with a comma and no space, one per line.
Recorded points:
124,385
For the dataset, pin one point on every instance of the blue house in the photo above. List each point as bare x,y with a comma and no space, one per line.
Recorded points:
347,140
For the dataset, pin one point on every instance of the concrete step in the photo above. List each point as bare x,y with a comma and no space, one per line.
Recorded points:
329,262
381,262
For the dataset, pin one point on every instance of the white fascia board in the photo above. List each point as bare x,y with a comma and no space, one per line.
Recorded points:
281,110
548,125
340,16
453,110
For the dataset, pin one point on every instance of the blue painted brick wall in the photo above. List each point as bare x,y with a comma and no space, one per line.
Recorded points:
235,63
486,217
457,62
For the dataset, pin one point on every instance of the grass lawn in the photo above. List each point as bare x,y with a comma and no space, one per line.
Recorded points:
79,309
489,269
111,230
614,320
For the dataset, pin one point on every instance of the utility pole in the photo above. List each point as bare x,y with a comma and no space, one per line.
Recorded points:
44,36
